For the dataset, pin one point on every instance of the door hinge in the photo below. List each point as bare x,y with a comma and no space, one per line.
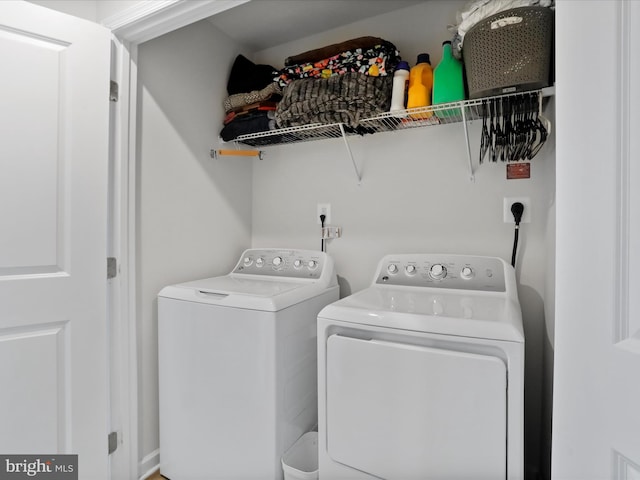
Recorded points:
112,267
113,442
113,91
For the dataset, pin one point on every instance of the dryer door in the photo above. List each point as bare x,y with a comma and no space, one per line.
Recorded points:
400,411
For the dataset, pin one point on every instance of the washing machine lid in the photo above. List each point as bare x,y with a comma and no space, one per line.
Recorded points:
264,294
421,310
266,279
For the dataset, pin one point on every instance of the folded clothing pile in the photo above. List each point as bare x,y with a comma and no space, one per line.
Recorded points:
344,82
339,83
253,97
346,98
371,56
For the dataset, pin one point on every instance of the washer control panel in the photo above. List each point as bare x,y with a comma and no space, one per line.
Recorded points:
282,263
461,272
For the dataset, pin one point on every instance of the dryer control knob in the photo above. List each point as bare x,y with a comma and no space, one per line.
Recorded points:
260,262
247,261
466,273
438,271
393,268
312,264
297,263
410,269
277,261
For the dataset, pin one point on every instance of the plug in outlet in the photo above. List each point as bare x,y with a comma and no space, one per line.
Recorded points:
323,209
526,214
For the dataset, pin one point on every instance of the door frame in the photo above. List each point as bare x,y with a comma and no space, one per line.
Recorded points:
131,27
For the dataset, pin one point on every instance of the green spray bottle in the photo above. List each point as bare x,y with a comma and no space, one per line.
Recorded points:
448,81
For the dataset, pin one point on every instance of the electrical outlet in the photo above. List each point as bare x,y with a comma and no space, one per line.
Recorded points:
323,209
526,214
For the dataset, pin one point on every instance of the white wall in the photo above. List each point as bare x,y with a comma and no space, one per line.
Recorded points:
413,30
415,194
194,212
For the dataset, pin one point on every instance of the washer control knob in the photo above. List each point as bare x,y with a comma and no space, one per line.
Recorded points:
410,269
392,268
247,261
277,261
260,262
297,263
437,271
466,273
312,264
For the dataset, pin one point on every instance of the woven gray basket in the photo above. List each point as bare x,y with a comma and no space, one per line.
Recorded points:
509,52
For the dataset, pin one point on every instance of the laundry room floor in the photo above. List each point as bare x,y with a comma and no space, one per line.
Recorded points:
156,476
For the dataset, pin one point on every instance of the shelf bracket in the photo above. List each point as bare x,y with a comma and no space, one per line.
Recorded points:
346,142
472,177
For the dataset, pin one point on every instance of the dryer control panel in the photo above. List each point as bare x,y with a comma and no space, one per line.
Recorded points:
461,272
282,263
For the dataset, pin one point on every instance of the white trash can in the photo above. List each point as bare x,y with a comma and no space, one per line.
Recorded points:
300,462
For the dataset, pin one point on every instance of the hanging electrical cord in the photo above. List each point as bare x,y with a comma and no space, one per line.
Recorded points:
322,218
516,209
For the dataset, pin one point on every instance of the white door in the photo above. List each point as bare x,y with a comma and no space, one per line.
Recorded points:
596,417
53,179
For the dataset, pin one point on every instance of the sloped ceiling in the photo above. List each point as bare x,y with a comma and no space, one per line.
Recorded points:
261,24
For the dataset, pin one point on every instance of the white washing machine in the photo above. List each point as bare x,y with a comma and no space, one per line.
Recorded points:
421,374
238,365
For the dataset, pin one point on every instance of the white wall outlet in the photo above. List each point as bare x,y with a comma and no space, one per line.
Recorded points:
323,209
526,214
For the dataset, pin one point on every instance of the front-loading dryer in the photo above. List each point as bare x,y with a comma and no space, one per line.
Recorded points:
421,374
238,365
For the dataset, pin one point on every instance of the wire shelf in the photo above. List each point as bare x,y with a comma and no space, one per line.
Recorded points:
441,114
434,115
283,136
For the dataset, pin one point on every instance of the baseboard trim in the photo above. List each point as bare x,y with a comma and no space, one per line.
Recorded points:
150,464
